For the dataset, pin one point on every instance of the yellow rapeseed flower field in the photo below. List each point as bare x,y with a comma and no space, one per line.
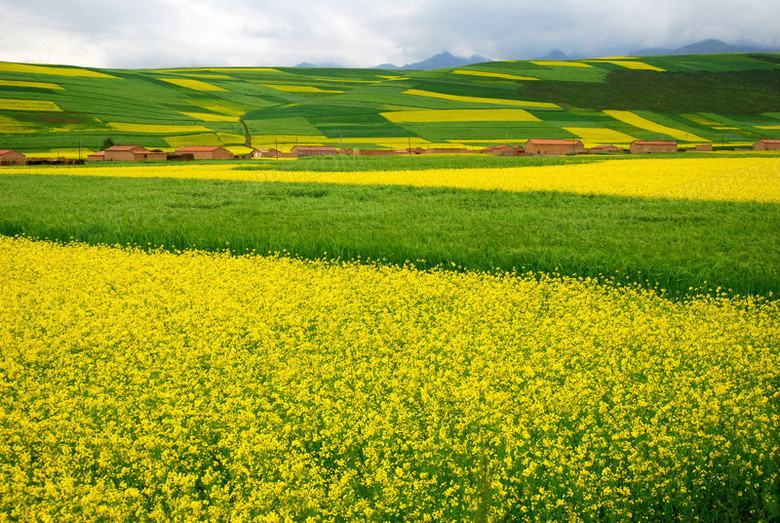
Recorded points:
460,115
481,100
643,123
301,88
197,85
52,70
191,386
211,117
559,63
12,104
11,125
600,135
493,74
632,64
157,128
721,179
24,83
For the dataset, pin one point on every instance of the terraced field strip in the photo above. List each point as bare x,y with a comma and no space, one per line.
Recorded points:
480,100
11,104
52,70
197,85
713,179
460,115
644,123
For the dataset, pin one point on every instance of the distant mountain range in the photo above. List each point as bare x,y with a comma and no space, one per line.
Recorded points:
447,59
711,46
440,61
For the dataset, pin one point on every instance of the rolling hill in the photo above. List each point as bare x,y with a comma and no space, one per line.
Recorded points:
728,99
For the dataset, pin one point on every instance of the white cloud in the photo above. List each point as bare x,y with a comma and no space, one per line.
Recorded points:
155,33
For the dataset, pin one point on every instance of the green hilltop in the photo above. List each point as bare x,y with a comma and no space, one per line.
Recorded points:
727,100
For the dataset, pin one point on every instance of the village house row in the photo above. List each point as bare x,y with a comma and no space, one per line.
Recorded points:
136,153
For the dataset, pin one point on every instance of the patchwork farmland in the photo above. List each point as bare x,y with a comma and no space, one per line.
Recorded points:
589,337
722,100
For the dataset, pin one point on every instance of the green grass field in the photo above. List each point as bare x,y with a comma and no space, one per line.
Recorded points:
674,244
724,99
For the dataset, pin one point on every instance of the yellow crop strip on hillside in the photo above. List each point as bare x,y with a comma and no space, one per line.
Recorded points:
37,85
221,107
8,104
597,135
45,69
211,117
9,125
488,74
649,125
223,69
461,115
157,128
730,179
559,63
196,85
480,100
301,88
632,64
213,387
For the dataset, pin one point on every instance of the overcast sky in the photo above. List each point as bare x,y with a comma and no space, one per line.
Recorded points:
362,33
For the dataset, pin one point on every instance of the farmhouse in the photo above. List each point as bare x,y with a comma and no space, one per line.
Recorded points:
374,152
536,146
312,150
653,146
598,149
99,156
767,145
206,152
446,150
269,153
132,153
408,151
262,153
11,157
504,150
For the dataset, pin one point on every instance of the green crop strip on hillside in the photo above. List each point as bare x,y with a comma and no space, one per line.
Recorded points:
744,92
674,244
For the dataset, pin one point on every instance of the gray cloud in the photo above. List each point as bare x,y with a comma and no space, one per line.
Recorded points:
160,33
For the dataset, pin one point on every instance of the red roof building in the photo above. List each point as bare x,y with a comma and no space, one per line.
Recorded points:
504,150
11,157
554,147
604,148
374,152
446,150
301,151
653,146
767,144
99,156
132,153
206,152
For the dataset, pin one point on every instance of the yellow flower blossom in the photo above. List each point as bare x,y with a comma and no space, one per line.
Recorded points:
191,386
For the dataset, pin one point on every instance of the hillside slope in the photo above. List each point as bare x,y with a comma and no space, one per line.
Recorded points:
731,99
